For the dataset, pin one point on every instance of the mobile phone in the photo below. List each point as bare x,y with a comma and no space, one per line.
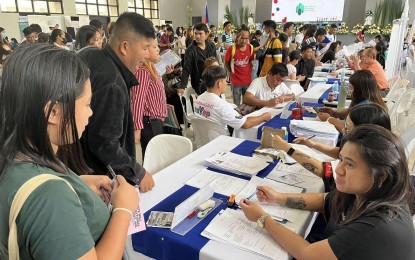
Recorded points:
317,109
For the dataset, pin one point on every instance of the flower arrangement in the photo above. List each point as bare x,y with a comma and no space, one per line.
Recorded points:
343,29
387,29
357,28
373,29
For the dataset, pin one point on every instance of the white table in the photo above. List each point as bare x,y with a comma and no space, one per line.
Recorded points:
190,165
312,95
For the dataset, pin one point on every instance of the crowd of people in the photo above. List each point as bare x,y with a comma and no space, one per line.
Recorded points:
77,109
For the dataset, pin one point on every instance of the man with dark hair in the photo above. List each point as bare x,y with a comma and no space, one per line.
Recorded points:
238,60
212,107
97,24
331,34
273,47
108,140
289,30
30,36
36,28
227,36
165,43
270,90
195,56
305,67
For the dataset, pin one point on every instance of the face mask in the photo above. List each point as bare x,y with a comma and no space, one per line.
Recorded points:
13,44
266,34
3,35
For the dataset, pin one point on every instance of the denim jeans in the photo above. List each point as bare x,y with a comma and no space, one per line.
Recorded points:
237,93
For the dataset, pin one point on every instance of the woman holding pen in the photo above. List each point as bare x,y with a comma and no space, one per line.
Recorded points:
45,100
368,212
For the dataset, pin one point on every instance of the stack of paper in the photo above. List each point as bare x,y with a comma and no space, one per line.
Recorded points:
310,128
231,227
235,163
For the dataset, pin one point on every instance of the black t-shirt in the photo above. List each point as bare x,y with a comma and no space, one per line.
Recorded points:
305,68
328,56
372,237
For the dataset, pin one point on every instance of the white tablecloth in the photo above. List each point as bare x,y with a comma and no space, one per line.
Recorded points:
190,165
312,95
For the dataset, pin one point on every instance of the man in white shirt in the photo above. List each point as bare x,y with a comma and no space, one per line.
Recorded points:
270,90
331,34
212,107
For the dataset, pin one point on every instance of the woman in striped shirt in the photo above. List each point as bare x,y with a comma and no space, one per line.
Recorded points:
148,100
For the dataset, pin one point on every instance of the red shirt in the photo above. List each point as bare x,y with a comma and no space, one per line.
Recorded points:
148,98
242,65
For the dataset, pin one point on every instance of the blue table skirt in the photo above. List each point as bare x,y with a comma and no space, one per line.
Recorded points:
278,122
160,243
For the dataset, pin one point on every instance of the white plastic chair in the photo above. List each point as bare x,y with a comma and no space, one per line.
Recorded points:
408,138
187,93
163,150
405,112
205,131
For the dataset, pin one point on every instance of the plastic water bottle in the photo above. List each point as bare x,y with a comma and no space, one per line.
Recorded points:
344,89
334,65
285,133
335,89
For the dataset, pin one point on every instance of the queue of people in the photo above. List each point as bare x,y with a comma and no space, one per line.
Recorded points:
111,97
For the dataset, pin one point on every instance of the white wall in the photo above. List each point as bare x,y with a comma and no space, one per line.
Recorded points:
175,11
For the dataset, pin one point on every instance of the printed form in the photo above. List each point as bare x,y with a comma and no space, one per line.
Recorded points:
221,183
231,227
276,211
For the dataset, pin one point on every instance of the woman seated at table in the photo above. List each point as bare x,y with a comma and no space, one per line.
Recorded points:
363,89
55,222
330,54
361,114
368,212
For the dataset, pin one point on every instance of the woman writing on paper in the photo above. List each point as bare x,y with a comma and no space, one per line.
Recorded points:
361,114
369,211
363,89
38,116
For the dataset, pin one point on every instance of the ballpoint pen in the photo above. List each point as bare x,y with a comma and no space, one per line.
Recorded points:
114,176
311,137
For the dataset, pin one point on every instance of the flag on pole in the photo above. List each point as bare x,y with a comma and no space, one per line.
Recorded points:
206,19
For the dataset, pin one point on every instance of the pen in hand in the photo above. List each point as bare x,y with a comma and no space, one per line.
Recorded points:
311,137
114,176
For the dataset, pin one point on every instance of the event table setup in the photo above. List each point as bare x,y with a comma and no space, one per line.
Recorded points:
173,186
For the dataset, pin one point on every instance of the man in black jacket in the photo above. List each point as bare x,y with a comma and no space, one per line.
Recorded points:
108,139
195,56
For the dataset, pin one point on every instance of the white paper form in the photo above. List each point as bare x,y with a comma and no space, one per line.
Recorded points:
276,211
231,227
282,169
274,111
221,183
168,57
235,163
186,207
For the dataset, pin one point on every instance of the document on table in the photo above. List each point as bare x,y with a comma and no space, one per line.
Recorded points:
282,169
272,110
235,163
168,57
276,211
221,183
231,227
313,94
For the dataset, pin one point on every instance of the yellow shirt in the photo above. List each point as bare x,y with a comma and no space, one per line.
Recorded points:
273,55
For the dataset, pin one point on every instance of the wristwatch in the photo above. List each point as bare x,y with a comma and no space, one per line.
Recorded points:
261,221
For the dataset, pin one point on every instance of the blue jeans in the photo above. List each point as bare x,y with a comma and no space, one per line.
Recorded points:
237,93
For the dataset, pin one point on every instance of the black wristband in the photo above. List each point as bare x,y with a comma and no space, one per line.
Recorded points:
290,151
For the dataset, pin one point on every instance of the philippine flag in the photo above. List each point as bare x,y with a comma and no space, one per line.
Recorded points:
206,19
